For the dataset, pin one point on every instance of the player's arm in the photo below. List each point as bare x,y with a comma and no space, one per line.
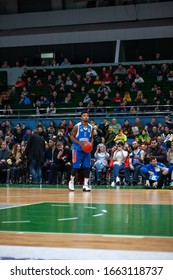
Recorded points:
73,135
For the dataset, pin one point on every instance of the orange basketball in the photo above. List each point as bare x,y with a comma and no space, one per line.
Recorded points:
87,147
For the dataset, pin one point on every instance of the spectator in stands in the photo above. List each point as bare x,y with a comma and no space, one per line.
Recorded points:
131,70
39,83
40,124
27,135
158,95
120,86
157,56
170,163
138,125
116,127
87,99
117,99
139,97
143,136
104,88
101,163
65,62
88,60
127,97
154,132
5,154
106,98
127,129
143,69
170,76
51,133
118,165
120,137
138,79
61,136
17,135
133,89
120,70
68,99
29,82
152,123
159,76
68,81
91,72
24,100
19,83
107,79
168,122
42,133
50,157
136,159
97,80
109,137
153,69
62,124
63,162
51,109
15,163
7,110
116,80
5,65
157,151
87,79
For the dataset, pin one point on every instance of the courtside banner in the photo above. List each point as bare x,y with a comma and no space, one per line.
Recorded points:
84,269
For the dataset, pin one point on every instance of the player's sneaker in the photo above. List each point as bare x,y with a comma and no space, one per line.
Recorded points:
113,184
147,184
118,180
171,186
71,185
155,184
86,188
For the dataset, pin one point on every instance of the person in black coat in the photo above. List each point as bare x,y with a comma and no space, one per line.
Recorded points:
35,155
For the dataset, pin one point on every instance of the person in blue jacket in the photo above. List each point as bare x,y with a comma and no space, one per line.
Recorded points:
154,173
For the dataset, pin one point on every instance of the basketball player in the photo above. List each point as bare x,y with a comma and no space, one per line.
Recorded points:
81,132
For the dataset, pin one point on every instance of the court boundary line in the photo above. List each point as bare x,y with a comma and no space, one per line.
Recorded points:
88,234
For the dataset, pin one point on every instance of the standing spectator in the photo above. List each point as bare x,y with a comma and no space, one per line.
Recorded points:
35,155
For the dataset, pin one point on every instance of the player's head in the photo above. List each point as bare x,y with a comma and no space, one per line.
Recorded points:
84,116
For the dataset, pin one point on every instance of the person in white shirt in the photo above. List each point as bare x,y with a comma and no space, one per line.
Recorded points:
119,156
101,156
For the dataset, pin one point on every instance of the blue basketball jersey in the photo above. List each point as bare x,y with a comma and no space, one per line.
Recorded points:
83,134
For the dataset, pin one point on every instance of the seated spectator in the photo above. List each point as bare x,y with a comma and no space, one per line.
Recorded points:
24,100
87,99
170,76
122,107
127,97
5,65
164,69
138,79
158,107
68,81
7,110
65,62
120,137
143,69
116,80
91,72
51,109
143,136
154,173
126,128
68,98
106,98
159,76
97,80
154,133
104,71
25,91
101,163
136,159
109,137
39,83
103,88
170,163
118,165
107,79
59,80
63,162
120,70
153,69
129,79
117,99
156,150
5,154
131,70
88,60
137,125
120,86
158,95
133,89
139,97
19,83
87,79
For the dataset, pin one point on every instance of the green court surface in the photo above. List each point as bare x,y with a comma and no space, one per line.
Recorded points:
105,219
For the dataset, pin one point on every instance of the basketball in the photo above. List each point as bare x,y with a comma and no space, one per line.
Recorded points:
87,147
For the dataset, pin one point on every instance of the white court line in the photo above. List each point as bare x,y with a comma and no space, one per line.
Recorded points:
60,205
90,207
14,222
21,205
68,219
97,215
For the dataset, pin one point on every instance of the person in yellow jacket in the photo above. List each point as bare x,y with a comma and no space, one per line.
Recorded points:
120,137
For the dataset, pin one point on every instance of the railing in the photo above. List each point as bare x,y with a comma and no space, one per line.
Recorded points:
75,112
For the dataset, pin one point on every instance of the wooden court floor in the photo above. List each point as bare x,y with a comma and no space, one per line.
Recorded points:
107,218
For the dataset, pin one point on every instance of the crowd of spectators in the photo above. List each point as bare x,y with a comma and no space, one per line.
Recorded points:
152,138
119,86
